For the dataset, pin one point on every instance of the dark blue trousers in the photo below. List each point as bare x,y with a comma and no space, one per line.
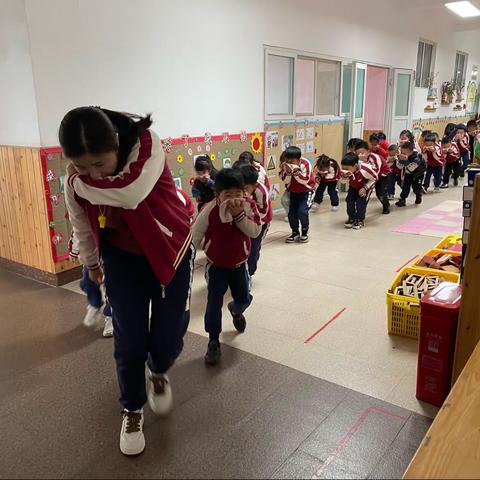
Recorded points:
437,173
298,211
141,336
465,160
94,294
393,180
356,205
218,281
331,187
255,250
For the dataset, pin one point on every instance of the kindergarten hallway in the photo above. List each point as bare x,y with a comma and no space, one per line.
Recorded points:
314,388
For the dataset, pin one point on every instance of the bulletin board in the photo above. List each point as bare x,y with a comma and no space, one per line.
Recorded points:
313,139
436,124
54,168
223,150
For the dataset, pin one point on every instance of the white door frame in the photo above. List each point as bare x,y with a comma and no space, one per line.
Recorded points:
356,123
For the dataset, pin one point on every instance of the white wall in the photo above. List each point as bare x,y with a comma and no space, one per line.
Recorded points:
18,111
198,66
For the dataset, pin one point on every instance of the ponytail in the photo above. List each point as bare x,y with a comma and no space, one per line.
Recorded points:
94,130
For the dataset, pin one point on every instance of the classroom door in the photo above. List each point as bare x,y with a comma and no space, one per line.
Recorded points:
376,99
402,97
357,107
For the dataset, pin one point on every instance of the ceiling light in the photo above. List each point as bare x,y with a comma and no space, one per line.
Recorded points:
464,9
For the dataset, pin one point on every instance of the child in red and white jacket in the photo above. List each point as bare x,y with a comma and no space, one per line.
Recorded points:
462,139
362,177
435,160
248,157
382,170
297,174
395,175
453,162
125,212
327,174
225,227
258,192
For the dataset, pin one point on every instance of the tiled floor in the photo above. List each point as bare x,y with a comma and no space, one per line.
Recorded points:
341,405
249,418
299,288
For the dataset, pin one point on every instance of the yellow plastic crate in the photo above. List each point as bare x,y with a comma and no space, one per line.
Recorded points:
447,242
434,271
404,312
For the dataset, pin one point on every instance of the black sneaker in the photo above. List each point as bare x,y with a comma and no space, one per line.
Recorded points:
358,225
418,200
212,357
239,321
444,185
455,182
293,237
349,223
304,238
401,203
386,210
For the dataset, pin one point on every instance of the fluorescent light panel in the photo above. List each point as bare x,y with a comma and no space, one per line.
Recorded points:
463,9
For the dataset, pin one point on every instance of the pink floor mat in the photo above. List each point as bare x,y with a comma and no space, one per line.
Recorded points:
442,220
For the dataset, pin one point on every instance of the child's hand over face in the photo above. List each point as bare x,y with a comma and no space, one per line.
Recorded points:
235,205
203,177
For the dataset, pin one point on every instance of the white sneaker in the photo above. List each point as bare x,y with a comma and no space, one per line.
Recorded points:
160,397
286,219
335,209
315,207
436,190
92,316
132,440
108,327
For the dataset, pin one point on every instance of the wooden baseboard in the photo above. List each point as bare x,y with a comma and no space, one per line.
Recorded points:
54,279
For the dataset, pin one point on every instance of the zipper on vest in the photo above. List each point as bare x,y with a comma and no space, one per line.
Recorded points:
163,291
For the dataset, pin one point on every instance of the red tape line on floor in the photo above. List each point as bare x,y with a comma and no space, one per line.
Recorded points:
325,325
348,436
406,263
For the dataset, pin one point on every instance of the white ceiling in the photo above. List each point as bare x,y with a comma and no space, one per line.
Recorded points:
435,10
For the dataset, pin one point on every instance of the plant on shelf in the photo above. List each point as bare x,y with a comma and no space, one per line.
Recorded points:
431,81
447,93
458,87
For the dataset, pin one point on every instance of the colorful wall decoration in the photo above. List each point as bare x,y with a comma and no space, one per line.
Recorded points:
54,169
223,150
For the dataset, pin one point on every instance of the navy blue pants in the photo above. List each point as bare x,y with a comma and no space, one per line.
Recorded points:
218,281
94,294
437,176
298,211
255,250
454,169
394,179
331,187
356,205
141,336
